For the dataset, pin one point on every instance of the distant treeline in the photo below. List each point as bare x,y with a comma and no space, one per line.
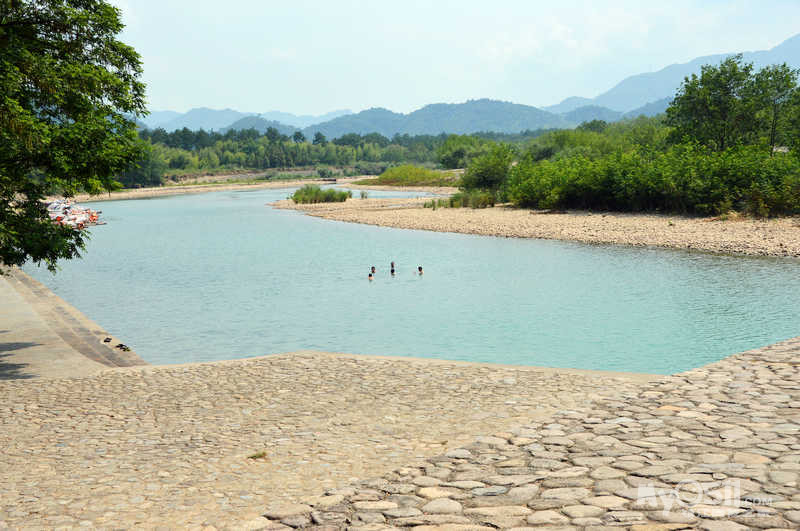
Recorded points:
730,140
185,151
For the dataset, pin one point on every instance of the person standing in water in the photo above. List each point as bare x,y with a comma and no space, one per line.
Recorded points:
370,277
419,270
392,269
372,270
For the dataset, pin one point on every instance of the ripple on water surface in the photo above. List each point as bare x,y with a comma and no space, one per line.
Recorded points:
221,275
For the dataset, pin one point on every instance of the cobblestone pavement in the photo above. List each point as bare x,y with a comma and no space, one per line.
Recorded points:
715,448
213,444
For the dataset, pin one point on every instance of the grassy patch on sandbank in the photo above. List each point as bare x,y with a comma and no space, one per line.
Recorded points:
408,175
311,193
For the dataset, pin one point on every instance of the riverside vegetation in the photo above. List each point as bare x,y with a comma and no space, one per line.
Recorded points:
311,193
190,152
409,175
729,141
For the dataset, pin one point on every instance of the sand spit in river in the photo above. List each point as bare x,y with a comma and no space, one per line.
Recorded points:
772,237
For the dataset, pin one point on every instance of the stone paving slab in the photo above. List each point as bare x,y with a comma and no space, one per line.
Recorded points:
213,444
715,448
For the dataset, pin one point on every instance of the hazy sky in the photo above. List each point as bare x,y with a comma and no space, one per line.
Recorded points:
313,57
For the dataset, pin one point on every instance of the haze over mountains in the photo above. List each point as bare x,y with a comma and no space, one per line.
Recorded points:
208,119
648,94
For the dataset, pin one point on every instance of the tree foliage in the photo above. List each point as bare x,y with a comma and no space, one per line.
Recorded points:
776,88
490,170
686,178
67,89
729,104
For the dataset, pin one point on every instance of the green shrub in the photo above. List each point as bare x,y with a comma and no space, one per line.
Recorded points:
324,172
686,178
311,193
473,199
490,170
370,168
408,175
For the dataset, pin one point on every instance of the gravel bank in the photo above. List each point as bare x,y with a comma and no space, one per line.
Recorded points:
773,237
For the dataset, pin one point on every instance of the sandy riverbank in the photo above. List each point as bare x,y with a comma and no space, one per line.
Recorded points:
438,190
163,191
773,237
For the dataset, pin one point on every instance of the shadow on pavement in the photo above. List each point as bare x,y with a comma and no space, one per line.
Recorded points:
13,371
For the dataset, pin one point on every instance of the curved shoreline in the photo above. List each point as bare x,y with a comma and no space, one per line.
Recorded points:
165,191
772,237
277,442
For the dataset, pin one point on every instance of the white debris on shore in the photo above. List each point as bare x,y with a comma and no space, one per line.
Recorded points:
65,212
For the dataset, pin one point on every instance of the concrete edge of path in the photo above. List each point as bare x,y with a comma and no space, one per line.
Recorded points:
58,332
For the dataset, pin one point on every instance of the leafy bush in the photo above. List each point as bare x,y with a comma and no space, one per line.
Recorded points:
324,172
472,199
311,193
370,168
489,171
408,175
458,150
686,178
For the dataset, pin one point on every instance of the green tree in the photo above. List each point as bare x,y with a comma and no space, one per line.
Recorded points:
717,108
299,137
319,139
775,86
457,150
597,126
489,171
273,135
793,119
148,171
376,138
349,139
68,88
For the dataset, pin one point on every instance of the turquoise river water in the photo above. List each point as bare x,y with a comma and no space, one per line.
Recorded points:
221,275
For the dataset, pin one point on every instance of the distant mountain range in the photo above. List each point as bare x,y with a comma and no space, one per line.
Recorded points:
208,119
642,94
303,120
259,124
642,89
458,118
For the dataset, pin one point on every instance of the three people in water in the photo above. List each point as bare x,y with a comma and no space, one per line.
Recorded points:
392,271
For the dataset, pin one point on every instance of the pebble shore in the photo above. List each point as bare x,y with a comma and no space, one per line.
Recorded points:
771,237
